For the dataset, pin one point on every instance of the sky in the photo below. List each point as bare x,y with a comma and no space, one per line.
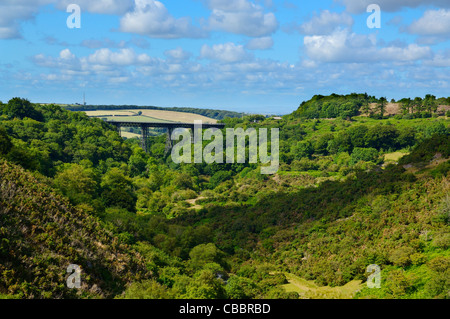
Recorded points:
254,56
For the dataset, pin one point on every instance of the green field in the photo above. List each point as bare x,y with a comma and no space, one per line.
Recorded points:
308,289
136,119
140,115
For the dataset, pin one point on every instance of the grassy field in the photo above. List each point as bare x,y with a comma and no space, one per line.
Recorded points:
130,135
109,113
393,157
152,115
307,289
136,119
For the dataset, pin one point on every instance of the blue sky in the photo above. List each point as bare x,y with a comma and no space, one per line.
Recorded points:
255,56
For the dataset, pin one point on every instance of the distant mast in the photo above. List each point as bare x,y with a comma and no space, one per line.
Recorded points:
84,98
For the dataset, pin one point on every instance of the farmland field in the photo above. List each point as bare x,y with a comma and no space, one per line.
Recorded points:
150,115
136,119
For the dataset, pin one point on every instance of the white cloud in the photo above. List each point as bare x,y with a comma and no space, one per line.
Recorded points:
325,23
123,57
360,6
344,46
13,12
118,7
66,55
263,43
433,26
177,54
227,52
241,17
440,59
151,18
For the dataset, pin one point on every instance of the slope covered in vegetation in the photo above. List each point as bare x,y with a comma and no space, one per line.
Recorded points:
42,234
336,206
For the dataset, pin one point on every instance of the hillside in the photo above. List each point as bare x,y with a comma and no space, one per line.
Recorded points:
42,234
150,115
210,113
347,106
349,192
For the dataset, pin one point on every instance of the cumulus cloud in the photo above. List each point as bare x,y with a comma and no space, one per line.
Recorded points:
151,18
227,52
345,46
432,27
241,17
325,23
13,12
359,6
441,59
124,57
118,7
177,54
263,43
108,43
433,22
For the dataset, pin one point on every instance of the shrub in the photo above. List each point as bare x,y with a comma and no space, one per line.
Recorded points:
149,289
364,154
219,177
401,256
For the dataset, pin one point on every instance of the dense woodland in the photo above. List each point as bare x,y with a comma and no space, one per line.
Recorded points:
352,190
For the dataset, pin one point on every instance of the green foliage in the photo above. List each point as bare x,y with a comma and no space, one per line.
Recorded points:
225,230
21,108
332,106
401,256
425,151
219,177
149,289
41,234
76,182
5,142
364,154
204,254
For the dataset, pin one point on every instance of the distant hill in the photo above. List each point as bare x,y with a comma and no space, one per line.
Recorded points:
215,114
138,115
347,106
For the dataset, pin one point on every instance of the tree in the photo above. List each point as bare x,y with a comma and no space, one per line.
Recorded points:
358,135
382,105
364,154
382,137
21,108
417,104
118,190
303,149
401,256
406,105
205,285
430,104
5,142
149,289
77,183
366,107
138,161
219,177
204,254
